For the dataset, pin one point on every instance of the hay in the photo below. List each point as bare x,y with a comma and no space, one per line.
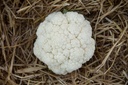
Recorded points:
18,23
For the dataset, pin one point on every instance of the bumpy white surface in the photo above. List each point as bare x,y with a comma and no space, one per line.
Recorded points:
64,42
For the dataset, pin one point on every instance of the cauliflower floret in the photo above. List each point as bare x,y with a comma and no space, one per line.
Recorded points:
64,42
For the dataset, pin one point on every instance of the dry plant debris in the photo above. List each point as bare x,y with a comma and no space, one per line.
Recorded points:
18,23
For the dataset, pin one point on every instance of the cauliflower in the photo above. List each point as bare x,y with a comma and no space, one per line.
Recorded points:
64,42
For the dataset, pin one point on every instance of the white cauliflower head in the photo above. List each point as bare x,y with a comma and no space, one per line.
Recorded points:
64,42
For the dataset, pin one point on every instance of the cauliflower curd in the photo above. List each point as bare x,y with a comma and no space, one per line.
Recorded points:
64,42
